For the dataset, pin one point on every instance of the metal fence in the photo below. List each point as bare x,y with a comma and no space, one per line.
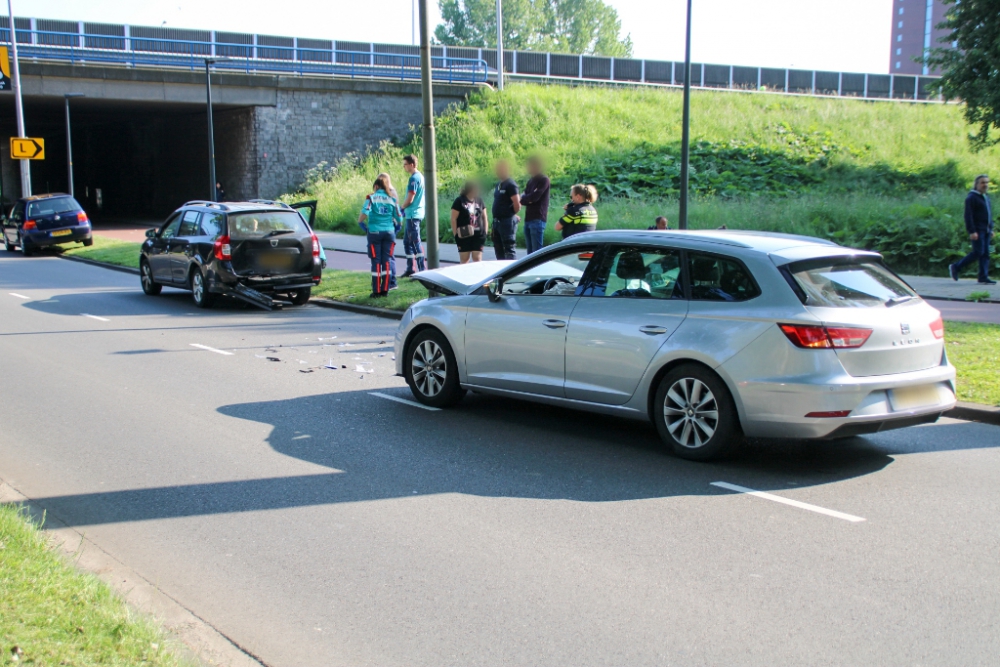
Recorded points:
137,46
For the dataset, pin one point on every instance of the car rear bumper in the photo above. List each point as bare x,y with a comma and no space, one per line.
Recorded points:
43,238
223,279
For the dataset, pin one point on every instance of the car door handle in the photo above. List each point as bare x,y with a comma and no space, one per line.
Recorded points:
653,330
554,324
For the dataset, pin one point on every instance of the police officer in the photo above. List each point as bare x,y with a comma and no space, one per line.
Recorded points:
506,204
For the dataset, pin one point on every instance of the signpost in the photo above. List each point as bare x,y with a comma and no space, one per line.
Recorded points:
27,148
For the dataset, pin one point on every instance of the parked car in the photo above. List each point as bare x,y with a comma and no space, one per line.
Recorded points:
712,335
250,250
40,221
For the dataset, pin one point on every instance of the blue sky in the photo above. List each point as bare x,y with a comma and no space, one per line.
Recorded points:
848,35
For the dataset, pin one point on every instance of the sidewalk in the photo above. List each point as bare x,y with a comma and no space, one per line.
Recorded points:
447,252
946,288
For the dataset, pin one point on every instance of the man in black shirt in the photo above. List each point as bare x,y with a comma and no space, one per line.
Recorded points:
536,203
506,204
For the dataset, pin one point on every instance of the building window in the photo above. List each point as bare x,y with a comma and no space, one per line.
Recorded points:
899,38
900,24
899,52
900,11
897,64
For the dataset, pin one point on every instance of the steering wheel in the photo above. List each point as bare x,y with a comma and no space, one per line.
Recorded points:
552,282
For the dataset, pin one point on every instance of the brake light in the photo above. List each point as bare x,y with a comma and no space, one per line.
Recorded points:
223,250
81,218
937,328
817,337
30,224
315,245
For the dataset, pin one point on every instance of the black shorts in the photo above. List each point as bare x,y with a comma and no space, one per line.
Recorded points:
472,243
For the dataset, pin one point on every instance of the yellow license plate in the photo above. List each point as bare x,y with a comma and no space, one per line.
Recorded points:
275,261
909,398
62,232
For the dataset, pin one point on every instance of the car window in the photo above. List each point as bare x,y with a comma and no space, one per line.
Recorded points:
716,278
53,206
638,272
558,275
170,227
18,212
211,224
264,224
847,284
189,224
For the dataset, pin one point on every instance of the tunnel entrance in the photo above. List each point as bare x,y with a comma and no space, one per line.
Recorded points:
133,161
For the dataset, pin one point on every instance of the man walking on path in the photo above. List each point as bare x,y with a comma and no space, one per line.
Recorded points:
506,204
536,201
979,225
413,212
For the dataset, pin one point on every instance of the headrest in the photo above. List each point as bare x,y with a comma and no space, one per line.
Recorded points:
703,269
631,266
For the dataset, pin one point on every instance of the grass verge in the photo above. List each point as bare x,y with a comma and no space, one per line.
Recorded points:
51,614
355,286
974,349
109,251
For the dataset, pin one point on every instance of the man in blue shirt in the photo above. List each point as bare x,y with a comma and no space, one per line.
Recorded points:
413,212
979,226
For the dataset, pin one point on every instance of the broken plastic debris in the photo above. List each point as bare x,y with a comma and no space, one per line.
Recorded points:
359,368
330,338
306,370
273,359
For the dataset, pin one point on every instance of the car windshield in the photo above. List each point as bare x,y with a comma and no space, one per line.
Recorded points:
850,284
53,206
264,224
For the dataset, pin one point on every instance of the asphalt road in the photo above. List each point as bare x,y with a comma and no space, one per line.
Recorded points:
315,523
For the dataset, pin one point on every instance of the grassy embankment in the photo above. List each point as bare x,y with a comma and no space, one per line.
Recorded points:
51,614
885,176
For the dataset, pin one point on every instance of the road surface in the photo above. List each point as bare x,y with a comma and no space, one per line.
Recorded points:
314,521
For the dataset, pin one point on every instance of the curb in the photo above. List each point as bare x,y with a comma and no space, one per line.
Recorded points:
974,412
955,298
357,308
94,262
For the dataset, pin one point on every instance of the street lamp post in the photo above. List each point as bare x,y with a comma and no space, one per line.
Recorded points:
430,152
211,129
682,221
15,72
499,45
69,144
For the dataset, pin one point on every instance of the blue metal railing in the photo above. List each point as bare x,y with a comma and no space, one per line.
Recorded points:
83,48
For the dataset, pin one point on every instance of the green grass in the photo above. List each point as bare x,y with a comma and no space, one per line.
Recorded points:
974,349
355,286
109,251
59,616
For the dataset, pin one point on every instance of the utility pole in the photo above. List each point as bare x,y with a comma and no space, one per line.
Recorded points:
413,21
499,44
69,144
16,80
211,131
430,152
682,222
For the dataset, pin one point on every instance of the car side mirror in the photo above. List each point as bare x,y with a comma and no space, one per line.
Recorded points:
494,290
151,233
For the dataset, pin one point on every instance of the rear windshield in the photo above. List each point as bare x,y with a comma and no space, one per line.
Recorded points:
53,206
264,224
850,284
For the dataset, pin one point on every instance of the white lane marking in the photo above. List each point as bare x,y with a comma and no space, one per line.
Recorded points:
787,501
211,349
19,296
95,317
404,401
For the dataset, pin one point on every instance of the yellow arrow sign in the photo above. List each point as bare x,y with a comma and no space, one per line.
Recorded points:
27,148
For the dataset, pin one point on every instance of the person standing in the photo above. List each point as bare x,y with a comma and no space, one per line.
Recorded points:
660,223
395,233
535,199
979,226
379,219
506,204
469,223
413,214
581,216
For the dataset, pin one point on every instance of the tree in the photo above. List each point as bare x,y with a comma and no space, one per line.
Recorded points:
561,26
971,72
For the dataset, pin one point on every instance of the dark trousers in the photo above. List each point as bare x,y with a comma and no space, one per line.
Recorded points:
504,233
412,245
980,253
380,248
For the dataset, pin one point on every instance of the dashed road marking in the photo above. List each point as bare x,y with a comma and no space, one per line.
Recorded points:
787,501
211,349
404,401
95,317
19,296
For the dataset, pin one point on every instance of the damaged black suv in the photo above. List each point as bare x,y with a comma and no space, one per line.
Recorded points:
258,252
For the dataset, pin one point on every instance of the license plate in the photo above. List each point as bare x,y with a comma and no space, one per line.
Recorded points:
276,261
908,398
62,232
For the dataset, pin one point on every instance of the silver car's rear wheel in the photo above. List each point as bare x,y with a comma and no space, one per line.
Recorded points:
431,370
691,412
695,414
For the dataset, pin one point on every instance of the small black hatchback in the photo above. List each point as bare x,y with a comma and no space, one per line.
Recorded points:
254,251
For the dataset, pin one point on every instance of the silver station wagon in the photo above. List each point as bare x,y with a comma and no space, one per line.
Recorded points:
712,335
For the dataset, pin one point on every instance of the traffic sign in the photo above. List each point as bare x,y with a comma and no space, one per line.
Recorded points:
4,69
27,148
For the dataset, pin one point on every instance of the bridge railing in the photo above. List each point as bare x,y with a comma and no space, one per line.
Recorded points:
148,51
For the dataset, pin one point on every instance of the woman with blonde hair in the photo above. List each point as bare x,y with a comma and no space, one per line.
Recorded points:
380,217
581,216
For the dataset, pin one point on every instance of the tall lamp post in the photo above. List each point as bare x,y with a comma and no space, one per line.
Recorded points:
69,143
15,72
682,221
430,151
499,45
211,128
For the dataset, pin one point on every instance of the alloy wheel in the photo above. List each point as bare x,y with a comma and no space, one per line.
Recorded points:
430,368
691,412
146,277
198,287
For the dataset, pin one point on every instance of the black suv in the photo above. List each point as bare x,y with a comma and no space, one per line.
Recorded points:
250,250
45,220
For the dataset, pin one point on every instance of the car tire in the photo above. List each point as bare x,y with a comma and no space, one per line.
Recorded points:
431,370
7,245
149,286
25,250
695,414
199,290
88,242
300,297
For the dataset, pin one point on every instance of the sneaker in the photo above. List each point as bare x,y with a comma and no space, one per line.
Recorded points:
374,295
392,288
987,282
408,273
953,272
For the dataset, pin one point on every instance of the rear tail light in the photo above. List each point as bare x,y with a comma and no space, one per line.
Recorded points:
223,250
315,245
82,219
816,337
30,224
937,328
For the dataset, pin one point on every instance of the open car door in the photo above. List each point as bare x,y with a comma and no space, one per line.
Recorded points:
307,209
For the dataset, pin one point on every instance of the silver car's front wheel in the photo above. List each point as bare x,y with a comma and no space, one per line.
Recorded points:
691,412
695,413
431,370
